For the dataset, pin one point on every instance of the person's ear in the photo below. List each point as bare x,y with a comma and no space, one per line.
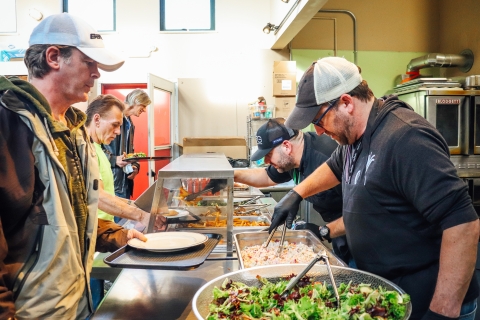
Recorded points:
288,147
346,101
52,57
96,119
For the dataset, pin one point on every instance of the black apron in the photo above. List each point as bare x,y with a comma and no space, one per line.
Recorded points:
382,244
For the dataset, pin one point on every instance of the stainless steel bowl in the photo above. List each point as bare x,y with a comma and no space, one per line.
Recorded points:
204,296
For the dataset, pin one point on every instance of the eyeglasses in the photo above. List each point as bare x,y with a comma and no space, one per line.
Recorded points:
330,106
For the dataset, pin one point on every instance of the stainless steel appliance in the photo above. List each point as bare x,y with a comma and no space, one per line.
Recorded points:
455,112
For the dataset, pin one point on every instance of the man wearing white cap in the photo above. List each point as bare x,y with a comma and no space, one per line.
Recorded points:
407,215
49,176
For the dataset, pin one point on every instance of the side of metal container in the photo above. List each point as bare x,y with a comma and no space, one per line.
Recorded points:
247,239
213,166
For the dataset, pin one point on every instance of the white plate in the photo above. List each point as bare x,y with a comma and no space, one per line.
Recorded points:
181,213
168,241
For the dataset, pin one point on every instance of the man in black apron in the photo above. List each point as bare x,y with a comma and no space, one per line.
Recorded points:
292,154
407,215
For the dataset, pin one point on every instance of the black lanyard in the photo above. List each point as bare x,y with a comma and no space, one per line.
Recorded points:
353,151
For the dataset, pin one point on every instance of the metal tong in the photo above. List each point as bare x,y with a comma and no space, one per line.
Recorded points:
257,207
322,255
252,200
192,196
280,247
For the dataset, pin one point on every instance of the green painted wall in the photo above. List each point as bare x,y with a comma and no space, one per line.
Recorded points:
381,69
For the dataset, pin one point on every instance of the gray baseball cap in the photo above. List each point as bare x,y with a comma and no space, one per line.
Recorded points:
69,30
325,80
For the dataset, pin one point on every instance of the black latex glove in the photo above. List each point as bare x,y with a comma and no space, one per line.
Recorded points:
286,210
430,315
216,184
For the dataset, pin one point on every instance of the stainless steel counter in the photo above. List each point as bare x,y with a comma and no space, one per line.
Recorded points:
159,294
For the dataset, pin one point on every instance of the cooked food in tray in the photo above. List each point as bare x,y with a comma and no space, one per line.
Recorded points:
237,222
136,155
171,213
257,255
309,299
237,212
183,193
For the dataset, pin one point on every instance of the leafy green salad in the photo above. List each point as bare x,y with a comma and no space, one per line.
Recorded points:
307,300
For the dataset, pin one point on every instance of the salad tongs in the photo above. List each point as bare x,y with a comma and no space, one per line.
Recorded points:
322,255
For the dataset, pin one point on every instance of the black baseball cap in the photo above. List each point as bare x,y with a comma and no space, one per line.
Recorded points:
271,134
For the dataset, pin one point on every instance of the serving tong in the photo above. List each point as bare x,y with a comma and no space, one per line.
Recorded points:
280,247
252,200
322,255
257,207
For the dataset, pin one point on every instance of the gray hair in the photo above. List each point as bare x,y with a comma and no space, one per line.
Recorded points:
137,97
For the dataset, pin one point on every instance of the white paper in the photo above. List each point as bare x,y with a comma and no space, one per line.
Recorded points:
286,84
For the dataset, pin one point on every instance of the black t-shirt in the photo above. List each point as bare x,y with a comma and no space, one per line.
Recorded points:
410,174
317,149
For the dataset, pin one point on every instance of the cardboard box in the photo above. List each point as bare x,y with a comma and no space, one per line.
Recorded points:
284,78
233,147
283,106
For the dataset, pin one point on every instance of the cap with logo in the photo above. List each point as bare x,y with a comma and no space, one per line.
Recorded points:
325,80
69,30
270,135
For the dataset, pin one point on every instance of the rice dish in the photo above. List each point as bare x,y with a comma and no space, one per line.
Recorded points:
292,252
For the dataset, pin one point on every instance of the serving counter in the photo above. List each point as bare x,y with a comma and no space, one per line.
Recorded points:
159,294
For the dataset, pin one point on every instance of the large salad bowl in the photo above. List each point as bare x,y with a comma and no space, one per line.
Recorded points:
273,273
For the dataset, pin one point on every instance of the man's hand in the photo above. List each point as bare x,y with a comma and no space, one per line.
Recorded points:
120,161
216,184
286,210
134,173
160,221
132,233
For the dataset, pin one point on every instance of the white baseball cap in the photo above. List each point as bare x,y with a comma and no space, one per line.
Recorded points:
325,80
69,30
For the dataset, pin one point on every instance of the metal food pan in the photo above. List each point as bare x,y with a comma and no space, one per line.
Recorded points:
246,239
200,212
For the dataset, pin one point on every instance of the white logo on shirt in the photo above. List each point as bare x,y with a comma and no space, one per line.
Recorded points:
371,158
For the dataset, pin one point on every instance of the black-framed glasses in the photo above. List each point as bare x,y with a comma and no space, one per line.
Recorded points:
331,104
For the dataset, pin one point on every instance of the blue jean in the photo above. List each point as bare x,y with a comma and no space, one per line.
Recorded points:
468,310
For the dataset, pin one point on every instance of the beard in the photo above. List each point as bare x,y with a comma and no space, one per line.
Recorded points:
343,129
286,163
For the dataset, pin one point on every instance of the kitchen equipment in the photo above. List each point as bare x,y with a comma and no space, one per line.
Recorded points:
456,114
472,82
193,196
306,237
280,247
204,295
266,243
